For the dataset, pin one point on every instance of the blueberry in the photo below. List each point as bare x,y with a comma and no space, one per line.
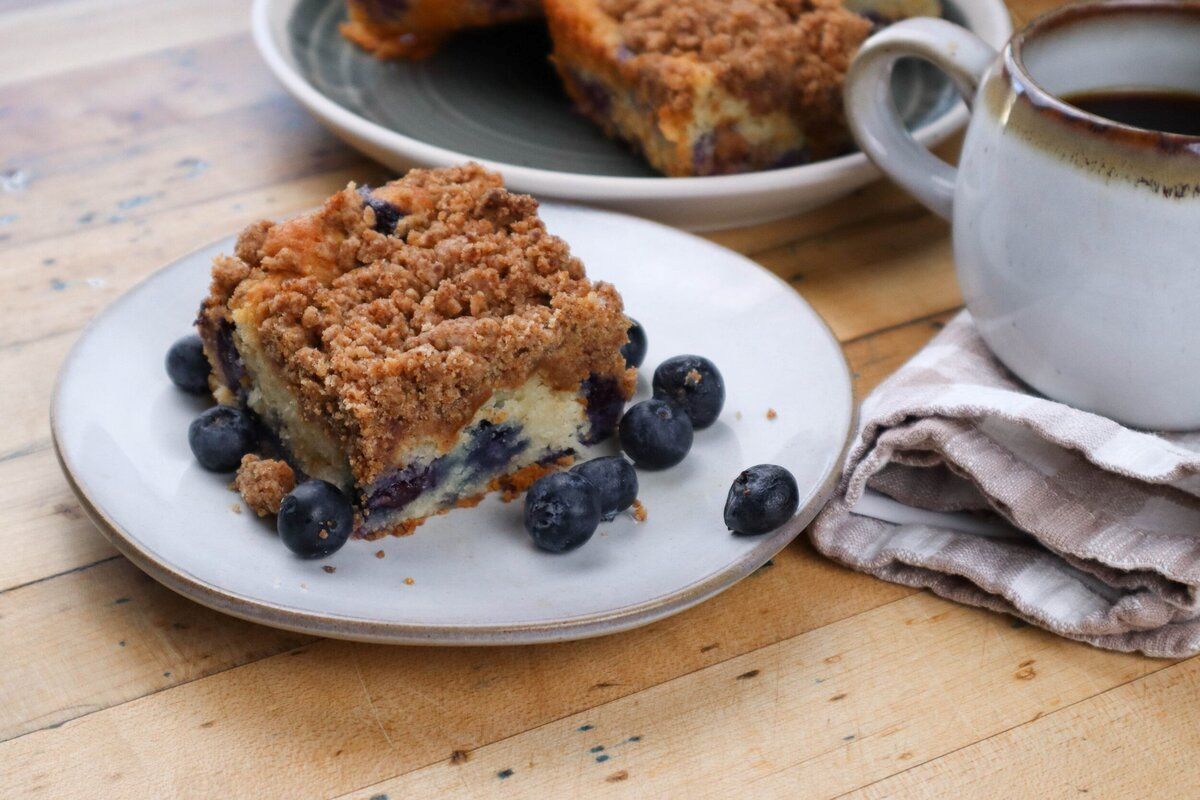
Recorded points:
562,511
221,436
387,215
656,433
187,365
605,402
493,446
615,479
694,383
635,349
314,519
761,499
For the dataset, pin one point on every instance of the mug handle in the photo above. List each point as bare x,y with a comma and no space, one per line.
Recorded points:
872,115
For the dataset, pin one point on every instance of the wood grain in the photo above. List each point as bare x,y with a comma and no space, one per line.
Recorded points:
135,132
398,708
814,716
70,36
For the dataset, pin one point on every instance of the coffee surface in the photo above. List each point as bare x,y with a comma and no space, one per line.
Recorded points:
1152,109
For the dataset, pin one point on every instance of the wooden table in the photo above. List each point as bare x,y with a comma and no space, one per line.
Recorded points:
132,132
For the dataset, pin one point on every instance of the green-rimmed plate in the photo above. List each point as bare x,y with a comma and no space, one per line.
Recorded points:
491,96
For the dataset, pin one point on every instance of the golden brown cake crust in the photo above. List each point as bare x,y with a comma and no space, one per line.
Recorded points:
387,339
263,483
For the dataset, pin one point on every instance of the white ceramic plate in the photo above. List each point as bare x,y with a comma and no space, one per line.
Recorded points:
120,429
488,96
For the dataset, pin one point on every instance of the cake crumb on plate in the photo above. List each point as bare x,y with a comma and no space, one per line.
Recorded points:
771,413
639,511
263,483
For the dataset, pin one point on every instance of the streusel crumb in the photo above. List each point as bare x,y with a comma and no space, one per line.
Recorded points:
263,483
639,511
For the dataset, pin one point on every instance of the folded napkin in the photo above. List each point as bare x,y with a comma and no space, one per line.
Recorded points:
967,482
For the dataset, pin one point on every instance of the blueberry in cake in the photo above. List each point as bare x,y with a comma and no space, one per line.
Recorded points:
418,344
709,87
416,28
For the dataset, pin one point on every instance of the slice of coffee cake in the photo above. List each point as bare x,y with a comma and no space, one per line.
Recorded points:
418,344
711,87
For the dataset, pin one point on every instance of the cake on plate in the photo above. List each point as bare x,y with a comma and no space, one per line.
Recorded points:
416,28
711,87
417,344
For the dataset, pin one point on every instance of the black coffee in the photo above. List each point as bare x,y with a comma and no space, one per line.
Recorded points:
1155,110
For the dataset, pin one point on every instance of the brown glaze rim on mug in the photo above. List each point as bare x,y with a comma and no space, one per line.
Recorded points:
1167,164
1022,80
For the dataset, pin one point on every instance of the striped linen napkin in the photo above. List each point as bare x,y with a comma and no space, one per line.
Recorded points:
967,482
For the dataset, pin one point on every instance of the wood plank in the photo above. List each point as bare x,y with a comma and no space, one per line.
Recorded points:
156,172
33,367
46,532
875,199
878,273
877,356
878,198
115,631
1136,740
814,716
60,37
47,116
352,713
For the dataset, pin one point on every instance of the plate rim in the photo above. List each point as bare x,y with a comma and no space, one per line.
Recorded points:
340,626
585,187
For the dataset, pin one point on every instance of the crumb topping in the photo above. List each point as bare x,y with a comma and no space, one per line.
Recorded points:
639,511
789,54
263,483
772,413
386,335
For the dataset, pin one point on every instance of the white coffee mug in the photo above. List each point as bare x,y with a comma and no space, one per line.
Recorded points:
1076,239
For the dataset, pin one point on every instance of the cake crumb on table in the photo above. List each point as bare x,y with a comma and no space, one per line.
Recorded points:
771,414
409,581
329,569
639,511
263,483
737,415
236,508
380,554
